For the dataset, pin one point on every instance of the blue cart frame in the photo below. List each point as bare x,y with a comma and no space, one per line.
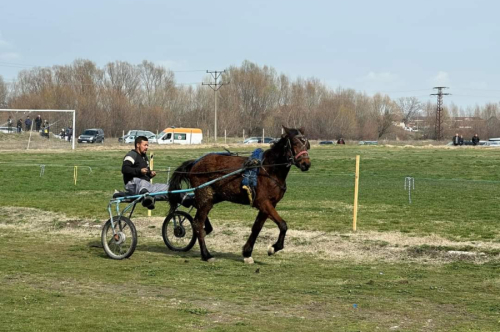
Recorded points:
119,235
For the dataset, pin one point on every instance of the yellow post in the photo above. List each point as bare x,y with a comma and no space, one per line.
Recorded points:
75,173
151,168
356,185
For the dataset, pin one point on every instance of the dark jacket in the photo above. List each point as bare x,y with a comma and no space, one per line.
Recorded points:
456,140
38,123
475,140
132,165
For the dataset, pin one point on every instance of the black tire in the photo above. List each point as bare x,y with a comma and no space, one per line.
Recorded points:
178,231
124,247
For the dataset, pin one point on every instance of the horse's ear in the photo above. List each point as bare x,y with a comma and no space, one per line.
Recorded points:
302,130
287,130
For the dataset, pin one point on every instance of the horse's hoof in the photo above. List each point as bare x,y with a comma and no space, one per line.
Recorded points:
211,260
270,250
248,260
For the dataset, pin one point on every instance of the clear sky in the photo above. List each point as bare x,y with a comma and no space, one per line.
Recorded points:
401,48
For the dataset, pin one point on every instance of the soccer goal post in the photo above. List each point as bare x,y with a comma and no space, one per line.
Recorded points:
11,110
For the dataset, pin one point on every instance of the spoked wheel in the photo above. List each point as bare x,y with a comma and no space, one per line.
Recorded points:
120,244
178,232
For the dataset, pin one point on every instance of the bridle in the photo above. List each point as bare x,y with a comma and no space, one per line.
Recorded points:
293,158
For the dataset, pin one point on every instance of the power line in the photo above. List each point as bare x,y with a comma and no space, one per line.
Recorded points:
13,81
20,65
215,86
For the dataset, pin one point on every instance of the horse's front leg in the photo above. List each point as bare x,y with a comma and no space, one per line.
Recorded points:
256,228
273,214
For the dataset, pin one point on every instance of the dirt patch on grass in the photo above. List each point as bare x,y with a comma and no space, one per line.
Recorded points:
358,247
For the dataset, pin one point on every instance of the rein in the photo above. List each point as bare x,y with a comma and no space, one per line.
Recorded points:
292,159
225,169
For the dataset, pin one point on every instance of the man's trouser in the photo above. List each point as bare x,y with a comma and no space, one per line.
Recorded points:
138,186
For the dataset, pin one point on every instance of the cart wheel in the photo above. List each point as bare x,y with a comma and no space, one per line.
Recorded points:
121,244
178,232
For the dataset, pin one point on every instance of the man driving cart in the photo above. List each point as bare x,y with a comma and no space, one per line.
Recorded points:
137,174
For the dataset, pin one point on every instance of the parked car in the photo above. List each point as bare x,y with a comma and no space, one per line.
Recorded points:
6,130
326,142
132,134
469,143
495,144
252,140
95,135
368,142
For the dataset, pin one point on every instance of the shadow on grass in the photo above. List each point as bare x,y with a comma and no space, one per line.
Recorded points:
194,253
162,249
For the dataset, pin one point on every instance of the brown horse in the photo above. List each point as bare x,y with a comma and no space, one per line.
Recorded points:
291,149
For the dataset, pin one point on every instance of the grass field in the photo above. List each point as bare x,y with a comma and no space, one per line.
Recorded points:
432,265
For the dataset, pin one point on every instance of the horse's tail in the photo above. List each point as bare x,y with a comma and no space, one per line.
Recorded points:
180,175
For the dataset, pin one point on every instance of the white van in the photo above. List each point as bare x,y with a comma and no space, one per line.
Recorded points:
180,136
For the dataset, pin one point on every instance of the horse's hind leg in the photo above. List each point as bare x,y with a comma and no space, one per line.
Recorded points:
256,228
199,221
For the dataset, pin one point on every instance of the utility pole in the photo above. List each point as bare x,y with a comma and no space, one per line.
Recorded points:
439,120
215,86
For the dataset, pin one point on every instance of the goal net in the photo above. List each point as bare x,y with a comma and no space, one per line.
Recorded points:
37,129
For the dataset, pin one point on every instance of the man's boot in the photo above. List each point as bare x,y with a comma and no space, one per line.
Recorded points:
187,199
147,201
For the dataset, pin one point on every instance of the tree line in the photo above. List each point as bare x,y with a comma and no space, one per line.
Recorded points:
122,96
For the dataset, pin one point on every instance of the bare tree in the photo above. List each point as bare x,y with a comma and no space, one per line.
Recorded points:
3,93
383,112
122,96
409,107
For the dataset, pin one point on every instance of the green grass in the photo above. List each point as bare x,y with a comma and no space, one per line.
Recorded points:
57,283
50,280
455,192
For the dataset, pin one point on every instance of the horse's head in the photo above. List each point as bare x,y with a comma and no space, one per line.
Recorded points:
297,145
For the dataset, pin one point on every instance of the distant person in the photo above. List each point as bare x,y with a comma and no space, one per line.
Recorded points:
475,140
19,125
38,123
63,133
9,124
461,140
340,141
69,133
46,129
27,122
456,139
